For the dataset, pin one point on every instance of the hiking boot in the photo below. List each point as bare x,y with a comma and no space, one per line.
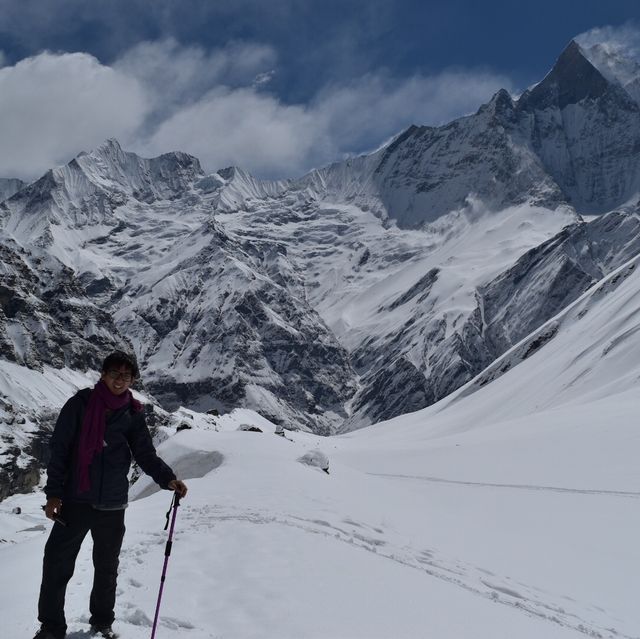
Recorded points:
106,632
43,633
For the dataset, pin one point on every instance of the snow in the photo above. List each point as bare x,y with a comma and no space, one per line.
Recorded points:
316,459
269,565
49,387
506,510
469,246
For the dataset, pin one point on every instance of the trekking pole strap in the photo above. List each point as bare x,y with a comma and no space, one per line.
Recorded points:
175,502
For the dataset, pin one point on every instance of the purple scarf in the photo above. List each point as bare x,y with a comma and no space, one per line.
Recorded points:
93,427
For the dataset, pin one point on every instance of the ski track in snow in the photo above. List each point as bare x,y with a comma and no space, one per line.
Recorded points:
554,489
587,619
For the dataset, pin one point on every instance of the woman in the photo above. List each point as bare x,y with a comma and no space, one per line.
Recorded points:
96,435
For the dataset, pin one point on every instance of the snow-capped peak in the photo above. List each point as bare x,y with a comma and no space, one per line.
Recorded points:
160,177
240,188
572,79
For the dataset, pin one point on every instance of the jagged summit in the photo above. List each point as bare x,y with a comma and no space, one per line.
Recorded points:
502,100
237,188
501,107
112,149
572,79
110,146
109,167
169,171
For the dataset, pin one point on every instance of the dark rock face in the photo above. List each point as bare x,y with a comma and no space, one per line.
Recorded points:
15,478
45,316
431,171
229,326
24,438
388,392
261,337
419,290
572,80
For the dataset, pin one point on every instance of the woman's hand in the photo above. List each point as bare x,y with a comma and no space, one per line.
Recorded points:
178,487
53,508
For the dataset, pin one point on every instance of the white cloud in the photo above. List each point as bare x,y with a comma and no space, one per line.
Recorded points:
376,107
623,40
215,105
615,52
53,106
256,131
263,79
175,75
240,127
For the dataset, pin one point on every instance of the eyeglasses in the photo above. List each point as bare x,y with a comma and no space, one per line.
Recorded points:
125,377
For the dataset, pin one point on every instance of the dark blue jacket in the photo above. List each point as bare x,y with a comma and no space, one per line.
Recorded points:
126,435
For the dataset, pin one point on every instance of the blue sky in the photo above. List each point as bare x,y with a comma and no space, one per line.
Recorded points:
276,86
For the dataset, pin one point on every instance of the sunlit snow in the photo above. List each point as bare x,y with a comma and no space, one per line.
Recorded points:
510,511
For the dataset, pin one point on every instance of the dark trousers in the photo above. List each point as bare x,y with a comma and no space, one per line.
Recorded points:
60,552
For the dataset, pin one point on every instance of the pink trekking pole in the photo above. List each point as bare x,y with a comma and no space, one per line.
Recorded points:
175,502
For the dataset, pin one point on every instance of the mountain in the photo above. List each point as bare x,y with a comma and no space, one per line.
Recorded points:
540,454
208,322
9,186
364,290
572,138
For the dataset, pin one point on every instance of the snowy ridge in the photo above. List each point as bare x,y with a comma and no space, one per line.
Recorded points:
364,290
164,177
236,189
9,186
594,363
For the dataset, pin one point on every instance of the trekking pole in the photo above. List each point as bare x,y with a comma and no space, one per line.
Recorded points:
175,502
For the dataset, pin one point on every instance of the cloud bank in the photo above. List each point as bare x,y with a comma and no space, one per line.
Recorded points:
216,104
53,106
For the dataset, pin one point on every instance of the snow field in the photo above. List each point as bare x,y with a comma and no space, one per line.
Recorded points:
268,547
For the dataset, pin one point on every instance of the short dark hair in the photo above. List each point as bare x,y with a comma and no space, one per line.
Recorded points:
118,359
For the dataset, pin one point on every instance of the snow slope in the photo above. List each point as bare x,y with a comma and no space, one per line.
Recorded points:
509,511
268,547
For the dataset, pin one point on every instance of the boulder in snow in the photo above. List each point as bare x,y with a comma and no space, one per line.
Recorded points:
250,428
316,458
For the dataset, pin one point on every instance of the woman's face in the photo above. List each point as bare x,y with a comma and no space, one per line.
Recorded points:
118,379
